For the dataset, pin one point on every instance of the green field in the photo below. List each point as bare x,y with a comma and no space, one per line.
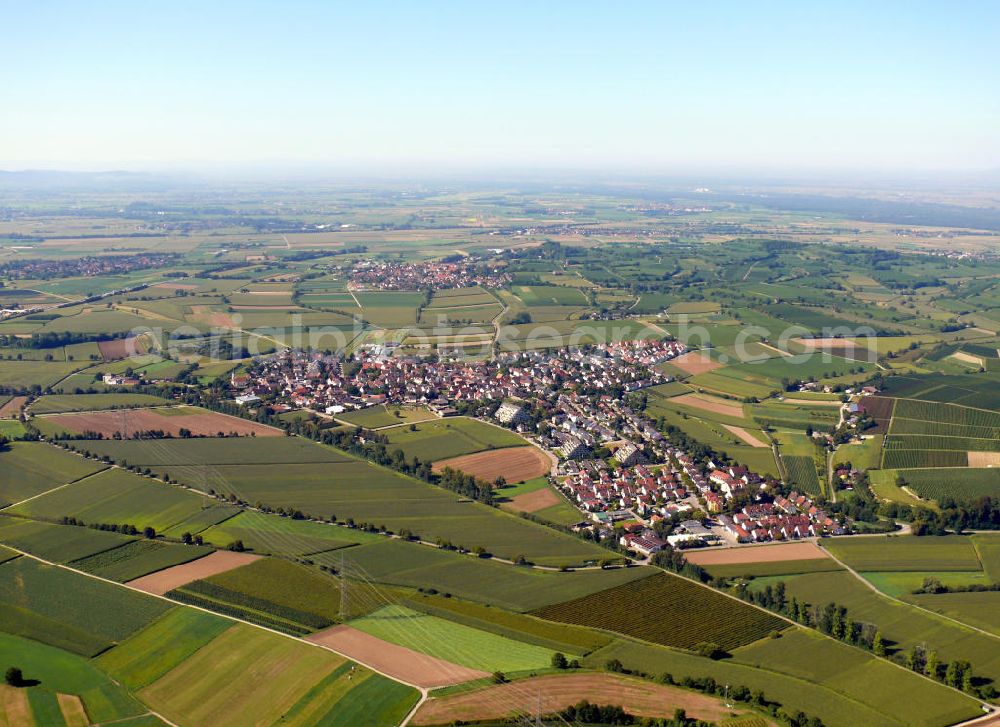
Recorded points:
30,468
901,625
664,609
450,437
57,403
453,642
149,654
23,375
385,416
802,473
138,558
322,481
62,672
549,634
70,611
477,579
303,684
61,543
271,592
946,553
777,568
846,703
283,536
116,496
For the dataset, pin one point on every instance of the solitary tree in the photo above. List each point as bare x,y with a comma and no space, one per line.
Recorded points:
14,677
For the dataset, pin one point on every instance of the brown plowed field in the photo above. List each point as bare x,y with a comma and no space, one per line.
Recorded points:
398,662
200,422
554,692
515,464
710,403
695,362
757,554
12,408
534,501
120,348
984,459
212,564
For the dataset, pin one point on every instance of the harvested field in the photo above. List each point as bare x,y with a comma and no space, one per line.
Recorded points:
120,348
710,403
745,436
397,662
535,501
200,422
515,464
984,459
828,344
695,362
163,581
554,692
174,286
968,358
12,408
756,554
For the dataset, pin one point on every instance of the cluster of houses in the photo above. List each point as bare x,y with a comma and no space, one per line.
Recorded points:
788,518
375,275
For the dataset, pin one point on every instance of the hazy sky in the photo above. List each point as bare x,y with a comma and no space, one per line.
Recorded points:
656,86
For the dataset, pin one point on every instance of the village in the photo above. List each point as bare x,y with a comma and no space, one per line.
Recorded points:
378,275
628,480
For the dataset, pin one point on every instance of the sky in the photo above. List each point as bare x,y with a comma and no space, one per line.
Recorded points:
656,87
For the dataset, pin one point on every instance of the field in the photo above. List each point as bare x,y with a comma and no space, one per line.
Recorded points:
58,403
452,642
283,536
566,638
695,362
270,592
711,404
553,692
23,375
947,553
477,579
63,673
126,422
137,558
410,667
293,473
384,416
514,464
760,554
802,473
902,626
61,543
30,468
116,496
301,683
963,484
797,692
168,579
664,609
449,437
68,610
149,654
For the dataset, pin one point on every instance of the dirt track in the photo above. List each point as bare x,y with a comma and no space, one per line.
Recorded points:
557,691
399,662
514,464
212,564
